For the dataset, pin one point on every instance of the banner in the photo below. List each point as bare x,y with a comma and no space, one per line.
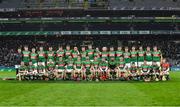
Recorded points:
175,68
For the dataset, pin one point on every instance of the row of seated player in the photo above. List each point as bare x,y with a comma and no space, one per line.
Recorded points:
95,70
129,56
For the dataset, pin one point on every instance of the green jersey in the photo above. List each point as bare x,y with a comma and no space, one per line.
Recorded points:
133,56
141,56
41,56
148,56
119,54
133,69
145,68
50,55
121,64
61,65
68,53
83,55
155,67
31,68
23,68
87,64
127,58
60,53
26,56
41,68
95,63
97,53
33,57
78,64
156,56
112,54
90,53
112,64
103,65
104,55
75,55
50,65
70,64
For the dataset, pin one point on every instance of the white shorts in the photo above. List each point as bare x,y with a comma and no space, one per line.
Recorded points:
140,63
69,70
158,64
127,65
149,62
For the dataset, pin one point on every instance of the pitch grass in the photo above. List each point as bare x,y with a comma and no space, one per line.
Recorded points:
41,93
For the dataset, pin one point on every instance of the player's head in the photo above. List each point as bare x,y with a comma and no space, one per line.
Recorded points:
133,48
26,48
60,48
89,46
40,63
50,60
19,50
41,48
67,47
111,48
140,48
155,48
75,48
95,58
87,58
133,64
30,63
148,48
83,48
70,57
121,59
112,59
119,48
22,63
104,49
126,49
164,60
103,59
33,50
50,48
97,49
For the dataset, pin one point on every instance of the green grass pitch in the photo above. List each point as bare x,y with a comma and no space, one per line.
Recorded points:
41,93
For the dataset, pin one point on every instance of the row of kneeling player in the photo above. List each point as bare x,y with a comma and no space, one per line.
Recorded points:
100,70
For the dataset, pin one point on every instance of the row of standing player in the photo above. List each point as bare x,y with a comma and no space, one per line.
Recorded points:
133,55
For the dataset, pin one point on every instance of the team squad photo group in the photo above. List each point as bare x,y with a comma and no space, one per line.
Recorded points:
88,64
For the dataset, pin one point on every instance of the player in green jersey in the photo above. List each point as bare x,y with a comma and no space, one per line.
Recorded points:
112,66
141,56
148,56
41,55
75,53
127,57
155,71
134,55
41,71
133,72
83,54
86,71
22,71
31,75
50,54
50,69
104,53
157,56
60,53
97,52
69,68
68,51
145,70
119,53
60,68
26,55
95,68
121,70
78,68
90,52
33,56
103,66
112,53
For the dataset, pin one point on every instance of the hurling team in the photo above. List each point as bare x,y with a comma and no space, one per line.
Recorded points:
93,64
